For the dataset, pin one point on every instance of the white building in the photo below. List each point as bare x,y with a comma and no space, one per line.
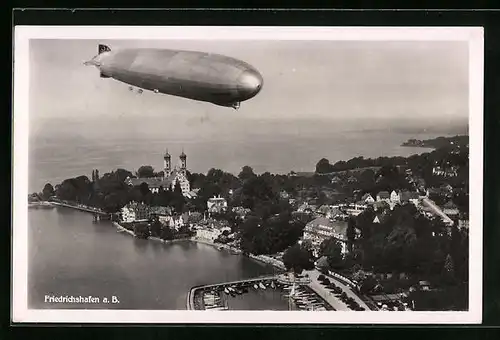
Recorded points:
210,234
216,204
176,222
383,196
170,177
321,229
395,197
134,212
368,199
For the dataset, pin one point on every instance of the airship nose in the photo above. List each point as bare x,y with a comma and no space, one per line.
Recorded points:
249,83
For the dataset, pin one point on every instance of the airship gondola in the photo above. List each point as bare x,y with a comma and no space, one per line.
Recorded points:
200,76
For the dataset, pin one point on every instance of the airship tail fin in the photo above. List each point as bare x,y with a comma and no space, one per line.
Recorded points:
104,48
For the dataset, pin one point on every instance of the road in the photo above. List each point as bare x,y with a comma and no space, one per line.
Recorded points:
329,296
437,210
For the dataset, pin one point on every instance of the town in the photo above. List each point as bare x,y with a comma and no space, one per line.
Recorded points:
393,229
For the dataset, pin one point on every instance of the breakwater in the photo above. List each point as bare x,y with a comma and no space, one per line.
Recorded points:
193,291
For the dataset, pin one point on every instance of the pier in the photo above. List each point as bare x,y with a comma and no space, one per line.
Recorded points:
192,291
98,213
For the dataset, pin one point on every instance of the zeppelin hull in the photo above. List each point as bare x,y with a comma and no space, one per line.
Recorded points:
195,75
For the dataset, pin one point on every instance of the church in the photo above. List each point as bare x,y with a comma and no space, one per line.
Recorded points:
171,176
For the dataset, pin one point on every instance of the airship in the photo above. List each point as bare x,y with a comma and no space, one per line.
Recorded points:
207,77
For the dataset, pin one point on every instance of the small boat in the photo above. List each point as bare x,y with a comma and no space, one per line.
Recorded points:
255,286
261,285
273,286
226,291
239,291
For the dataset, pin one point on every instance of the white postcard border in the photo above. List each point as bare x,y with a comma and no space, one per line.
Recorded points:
20,311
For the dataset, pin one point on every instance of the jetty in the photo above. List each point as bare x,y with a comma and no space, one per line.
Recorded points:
98,213
192,291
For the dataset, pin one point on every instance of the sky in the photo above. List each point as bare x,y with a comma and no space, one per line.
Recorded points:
302,79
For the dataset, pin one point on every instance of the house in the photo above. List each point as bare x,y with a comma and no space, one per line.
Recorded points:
442,191
135,212
367,198
445,171
424,285
323,210
321,229
463,224
383,196
450,209
216,204
177,221
284,194
395,197
352,179
336,179
162,213
410,197
355,209
307,208
241,212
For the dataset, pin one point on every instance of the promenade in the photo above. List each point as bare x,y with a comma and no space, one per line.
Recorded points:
429,203
329,296
80,207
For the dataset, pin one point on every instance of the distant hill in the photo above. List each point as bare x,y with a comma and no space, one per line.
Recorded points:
439,142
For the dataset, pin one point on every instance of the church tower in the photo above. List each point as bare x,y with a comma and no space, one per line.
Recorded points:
167,166
183,162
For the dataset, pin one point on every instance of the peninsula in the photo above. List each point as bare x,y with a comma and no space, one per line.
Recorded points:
439,142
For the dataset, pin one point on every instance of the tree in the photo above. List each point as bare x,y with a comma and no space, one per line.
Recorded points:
166,233
178,199
246,173
48,191
297,258
155,228
351,232
146,171
332,249
141,230
323,166
144,189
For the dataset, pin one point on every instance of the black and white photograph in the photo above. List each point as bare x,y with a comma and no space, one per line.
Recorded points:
247,174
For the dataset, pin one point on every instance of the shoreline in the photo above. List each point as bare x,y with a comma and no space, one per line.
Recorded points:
235,251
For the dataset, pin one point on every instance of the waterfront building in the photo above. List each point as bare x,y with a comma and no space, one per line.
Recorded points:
170,177
135,212
162,213
175,222
216,204
321,229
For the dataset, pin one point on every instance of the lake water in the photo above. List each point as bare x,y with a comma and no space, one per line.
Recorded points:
70,255
61,150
